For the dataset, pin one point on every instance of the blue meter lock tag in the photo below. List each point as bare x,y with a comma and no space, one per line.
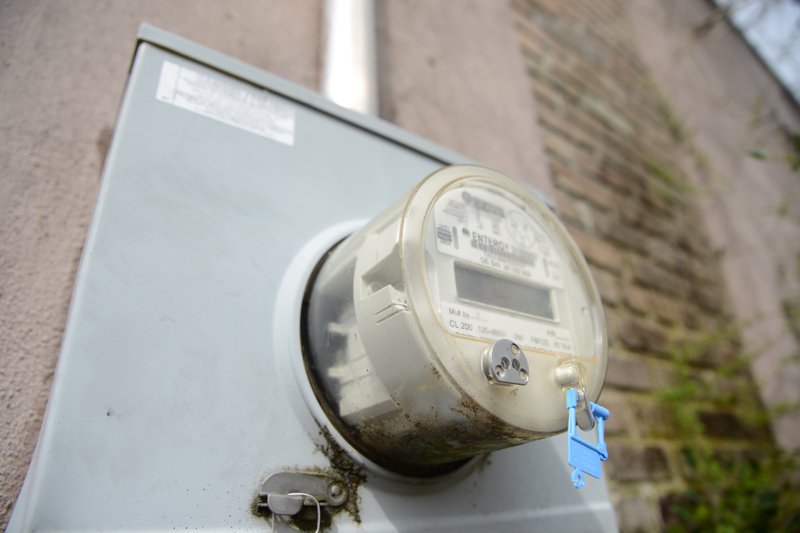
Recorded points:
584,456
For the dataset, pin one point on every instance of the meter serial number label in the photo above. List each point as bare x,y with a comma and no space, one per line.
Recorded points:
485,324
490,230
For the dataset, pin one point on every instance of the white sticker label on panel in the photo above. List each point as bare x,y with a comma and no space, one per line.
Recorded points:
228,101
485,324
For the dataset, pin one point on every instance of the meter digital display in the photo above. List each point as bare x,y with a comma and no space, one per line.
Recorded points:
452,324
482,288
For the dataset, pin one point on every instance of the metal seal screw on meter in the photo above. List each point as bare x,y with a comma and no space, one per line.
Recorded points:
453,324
505,364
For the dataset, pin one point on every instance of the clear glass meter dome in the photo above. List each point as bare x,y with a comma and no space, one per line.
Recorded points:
452,324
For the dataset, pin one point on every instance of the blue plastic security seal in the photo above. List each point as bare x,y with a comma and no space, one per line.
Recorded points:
583,456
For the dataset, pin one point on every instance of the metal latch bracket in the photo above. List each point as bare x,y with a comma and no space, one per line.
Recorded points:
285,493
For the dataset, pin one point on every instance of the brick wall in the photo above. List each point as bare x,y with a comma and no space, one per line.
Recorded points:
612,144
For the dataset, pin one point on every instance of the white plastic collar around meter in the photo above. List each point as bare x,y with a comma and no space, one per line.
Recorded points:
288,359
539,405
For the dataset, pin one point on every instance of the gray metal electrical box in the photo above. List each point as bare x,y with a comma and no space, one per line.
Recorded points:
176,394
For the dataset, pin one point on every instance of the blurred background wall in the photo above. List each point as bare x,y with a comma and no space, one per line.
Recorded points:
669,148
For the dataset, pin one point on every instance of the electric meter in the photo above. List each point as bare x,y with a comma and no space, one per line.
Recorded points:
453,324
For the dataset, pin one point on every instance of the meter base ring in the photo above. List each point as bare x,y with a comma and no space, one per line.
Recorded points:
289,361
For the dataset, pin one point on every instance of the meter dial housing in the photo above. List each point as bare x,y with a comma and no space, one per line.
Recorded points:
400,315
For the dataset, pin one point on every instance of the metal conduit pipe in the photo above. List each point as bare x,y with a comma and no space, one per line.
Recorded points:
349,75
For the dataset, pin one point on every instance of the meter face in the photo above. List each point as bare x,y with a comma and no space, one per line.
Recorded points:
407,317
496,268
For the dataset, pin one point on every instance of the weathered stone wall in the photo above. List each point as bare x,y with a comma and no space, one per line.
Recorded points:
732,108
679,394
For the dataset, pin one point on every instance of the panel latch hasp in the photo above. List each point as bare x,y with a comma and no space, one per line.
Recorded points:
285,493
584,456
